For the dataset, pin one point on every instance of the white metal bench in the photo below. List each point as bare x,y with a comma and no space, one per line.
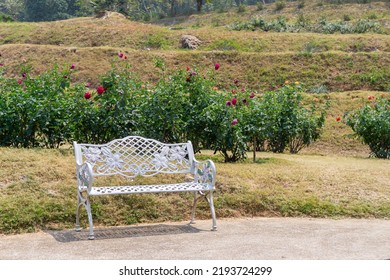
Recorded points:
135,156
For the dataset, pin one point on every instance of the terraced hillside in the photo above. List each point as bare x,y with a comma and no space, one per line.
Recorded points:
336,62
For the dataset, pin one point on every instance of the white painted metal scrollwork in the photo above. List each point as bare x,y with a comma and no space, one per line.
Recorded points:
133,156
84,177
84,180
205,172
137,156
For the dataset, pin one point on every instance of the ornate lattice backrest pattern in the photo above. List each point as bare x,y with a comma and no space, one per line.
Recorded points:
133,156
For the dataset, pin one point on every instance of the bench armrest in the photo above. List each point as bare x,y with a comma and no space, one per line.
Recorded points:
205,172
84,177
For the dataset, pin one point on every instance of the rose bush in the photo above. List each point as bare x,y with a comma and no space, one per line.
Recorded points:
34,111
187,104
372,124
110,110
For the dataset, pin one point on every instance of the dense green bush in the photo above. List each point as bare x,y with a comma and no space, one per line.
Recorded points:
34,111
225,123
287,123
48,111
171,111
372,124
5,17
110,111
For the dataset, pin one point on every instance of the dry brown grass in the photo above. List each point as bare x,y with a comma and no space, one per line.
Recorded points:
261,71
331,178
337,138
38,190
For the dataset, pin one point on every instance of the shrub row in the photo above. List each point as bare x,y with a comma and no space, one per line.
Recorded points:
304,25
372,124
49,111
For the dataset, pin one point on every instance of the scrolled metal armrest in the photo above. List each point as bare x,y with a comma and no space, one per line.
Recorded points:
205,172
84,177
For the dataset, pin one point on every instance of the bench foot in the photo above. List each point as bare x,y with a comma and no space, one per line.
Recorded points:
91,237
214,228
78,228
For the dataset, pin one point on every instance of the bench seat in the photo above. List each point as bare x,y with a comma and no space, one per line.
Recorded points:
181,187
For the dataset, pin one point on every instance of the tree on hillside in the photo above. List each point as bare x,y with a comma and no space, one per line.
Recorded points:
13,8
174,6
45,10
199,4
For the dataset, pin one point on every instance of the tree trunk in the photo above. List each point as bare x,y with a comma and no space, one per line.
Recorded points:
254,149
199,4
173,4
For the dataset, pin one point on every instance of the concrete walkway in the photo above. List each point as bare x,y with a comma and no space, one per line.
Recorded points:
239,239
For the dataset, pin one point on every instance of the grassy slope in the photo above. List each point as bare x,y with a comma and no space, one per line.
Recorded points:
333,177
264,60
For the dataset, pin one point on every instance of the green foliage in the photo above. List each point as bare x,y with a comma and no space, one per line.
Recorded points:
259,6
49,111
171,111
35,111
301,4
225,121
46,10
5,18
280,5
372,124
225,45
156,41
310,48
289,124
319,89
304,25
112,113
241,8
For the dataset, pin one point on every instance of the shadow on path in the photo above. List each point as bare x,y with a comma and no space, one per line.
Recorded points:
121,232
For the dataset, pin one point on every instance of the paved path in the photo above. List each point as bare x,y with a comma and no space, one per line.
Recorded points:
256,238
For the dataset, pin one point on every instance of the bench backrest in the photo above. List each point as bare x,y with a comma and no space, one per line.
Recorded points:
134,156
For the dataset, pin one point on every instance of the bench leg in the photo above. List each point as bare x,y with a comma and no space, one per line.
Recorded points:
81,200
194,208
78,228
212,210
88,207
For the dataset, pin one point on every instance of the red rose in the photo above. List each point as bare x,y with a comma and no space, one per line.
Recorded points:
87,95
216,66
338,119
100,90
234,101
